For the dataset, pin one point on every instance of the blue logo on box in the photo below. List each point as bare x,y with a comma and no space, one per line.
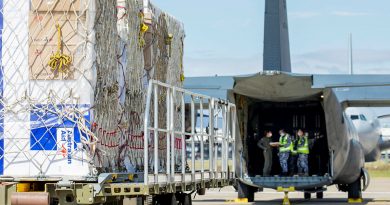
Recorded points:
51,131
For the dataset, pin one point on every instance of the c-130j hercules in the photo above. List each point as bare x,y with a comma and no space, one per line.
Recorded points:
277,98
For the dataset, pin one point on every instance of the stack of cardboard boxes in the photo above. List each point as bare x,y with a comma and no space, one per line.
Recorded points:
44,17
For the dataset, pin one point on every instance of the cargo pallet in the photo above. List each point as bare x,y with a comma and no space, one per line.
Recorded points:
165,186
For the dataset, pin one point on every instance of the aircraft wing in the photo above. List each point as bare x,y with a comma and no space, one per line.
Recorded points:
353,90
214,86
326,81
357,90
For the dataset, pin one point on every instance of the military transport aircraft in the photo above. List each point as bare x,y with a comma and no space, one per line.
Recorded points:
276,98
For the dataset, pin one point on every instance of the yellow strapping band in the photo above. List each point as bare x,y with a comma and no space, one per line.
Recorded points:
142,30
168,42
59,62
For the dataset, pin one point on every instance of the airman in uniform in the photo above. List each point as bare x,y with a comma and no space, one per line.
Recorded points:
303,153
285,148
292,161
265,144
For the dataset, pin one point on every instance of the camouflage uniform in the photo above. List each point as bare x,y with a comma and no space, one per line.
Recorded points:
303,153
283,158
303,166
284,152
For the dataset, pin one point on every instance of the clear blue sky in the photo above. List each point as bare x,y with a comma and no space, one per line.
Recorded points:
225,37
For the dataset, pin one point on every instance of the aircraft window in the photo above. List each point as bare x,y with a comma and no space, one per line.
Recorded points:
354,117
362,117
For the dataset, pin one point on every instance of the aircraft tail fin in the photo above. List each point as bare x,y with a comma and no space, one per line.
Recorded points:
276,54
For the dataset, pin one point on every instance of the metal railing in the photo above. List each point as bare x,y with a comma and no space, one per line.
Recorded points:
219,134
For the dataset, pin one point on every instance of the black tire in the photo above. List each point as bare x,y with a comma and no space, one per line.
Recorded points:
184,199
187,199
245,191
141,200
166,199
155,200
170,199
201,192
320,195
355,190
307,195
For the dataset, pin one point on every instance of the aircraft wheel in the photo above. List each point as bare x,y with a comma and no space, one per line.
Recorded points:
320,195
355,190
307,195
245,191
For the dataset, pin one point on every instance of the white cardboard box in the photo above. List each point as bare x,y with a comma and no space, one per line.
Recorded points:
20,155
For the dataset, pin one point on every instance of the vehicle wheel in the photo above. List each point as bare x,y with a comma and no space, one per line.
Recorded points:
187,199
184,199
166,199
320,195
201,192
156,200
307,195
245,191
171,199
355,190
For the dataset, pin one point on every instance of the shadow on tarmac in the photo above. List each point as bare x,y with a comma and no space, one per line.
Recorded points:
333,201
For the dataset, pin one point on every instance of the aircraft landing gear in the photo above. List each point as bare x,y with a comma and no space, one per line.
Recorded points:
245,191
318,191
320,195
307,195
355,191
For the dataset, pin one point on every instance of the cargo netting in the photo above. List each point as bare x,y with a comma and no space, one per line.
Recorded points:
73,82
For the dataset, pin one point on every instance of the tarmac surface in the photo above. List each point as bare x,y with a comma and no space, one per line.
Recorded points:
377,194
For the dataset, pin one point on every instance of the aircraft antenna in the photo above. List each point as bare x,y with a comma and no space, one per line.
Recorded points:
350,55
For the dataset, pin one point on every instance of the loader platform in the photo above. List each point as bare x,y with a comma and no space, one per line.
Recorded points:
298,182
